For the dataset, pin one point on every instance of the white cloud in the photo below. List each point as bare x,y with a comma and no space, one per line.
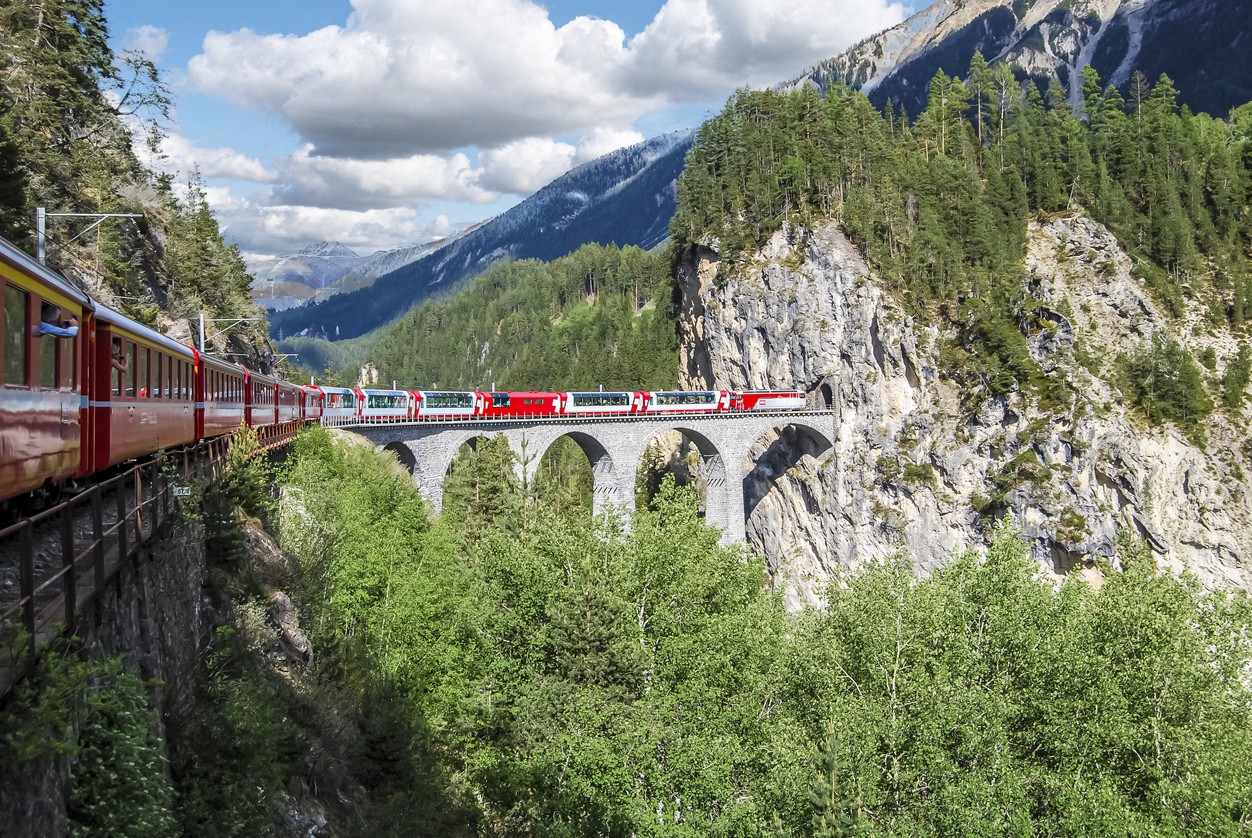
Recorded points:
526,166
413,102
333,182
152,41
404,77
603,140
179,156
285,229
708,48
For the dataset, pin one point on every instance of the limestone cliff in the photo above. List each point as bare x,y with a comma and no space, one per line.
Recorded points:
915,465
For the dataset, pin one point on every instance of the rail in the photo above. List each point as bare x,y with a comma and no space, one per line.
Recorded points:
64,556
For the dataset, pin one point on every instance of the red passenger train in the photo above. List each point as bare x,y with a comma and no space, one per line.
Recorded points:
86,388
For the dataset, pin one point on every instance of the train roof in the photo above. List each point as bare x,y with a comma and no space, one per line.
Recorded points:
23,261
135,329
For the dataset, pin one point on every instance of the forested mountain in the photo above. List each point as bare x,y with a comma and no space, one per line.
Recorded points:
599,316
625,198
71,110
1200,44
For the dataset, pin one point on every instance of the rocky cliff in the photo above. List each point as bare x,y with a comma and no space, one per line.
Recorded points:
920,466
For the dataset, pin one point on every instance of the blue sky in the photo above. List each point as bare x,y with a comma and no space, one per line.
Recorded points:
379,123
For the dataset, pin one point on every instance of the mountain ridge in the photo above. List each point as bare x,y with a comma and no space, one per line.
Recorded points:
624,198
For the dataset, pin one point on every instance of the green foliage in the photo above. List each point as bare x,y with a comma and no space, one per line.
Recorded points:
551,678
237,750
119,785
70,115
920,473
1235,381
983,701
600,316
1164,382
941,210
94,712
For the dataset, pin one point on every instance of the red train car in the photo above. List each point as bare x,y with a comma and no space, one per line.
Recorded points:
602,403
312,402
143,390
524,405
219,396
288,398
769,400
43,397
260,399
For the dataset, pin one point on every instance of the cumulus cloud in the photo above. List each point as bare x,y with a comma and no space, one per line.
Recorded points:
337,183
526,166
179,156
152,41
259,229
402,78
711,47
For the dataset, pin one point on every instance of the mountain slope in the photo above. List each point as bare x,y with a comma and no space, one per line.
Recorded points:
1200,44
624,198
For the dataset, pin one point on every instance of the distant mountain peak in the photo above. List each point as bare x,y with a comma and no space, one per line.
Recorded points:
329,250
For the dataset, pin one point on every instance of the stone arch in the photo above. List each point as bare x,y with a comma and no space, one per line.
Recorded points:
404,454
597,454
794,441
711,470
434,480
604,480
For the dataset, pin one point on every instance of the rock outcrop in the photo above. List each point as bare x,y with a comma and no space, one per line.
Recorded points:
918,465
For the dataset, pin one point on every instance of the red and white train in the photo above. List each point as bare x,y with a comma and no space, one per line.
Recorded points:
76,401
373,406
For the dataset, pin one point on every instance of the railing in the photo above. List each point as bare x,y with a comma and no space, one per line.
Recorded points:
66,555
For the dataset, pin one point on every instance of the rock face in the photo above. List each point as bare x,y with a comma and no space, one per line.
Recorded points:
921,467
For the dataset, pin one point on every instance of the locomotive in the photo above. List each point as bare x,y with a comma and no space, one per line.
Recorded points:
86,388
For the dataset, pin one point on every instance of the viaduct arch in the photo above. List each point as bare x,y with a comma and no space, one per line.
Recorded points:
615,448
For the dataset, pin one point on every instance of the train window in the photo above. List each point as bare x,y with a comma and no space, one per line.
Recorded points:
143,381
16,335
132,368
158,374
49,349
69,354
499,399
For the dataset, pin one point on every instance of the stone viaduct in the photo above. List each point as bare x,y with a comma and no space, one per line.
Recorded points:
615,448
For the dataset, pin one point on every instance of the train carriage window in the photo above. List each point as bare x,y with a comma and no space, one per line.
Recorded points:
16,335
49,366
132,368
158,374
69,366
143,381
